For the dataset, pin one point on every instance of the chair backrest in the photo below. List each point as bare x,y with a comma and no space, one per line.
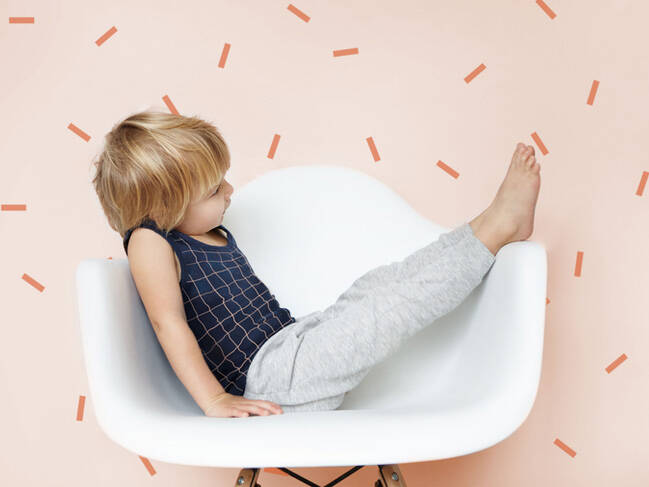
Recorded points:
127,368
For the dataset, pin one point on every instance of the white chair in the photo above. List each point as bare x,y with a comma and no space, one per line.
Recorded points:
463,384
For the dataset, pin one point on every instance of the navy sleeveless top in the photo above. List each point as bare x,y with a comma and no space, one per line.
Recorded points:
230,311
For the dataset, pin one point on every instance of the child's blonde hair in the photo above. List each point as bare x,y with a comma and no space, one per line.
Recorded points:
153,166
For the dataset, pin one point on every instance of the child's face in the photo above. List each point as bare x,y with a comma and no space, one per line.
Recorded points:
205,214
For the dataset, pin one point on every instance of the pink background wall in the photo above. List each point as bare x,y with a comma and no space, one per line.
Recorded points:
405,88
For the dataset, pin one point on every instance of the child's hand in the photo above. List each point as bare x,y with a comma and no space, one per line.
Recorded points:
227,405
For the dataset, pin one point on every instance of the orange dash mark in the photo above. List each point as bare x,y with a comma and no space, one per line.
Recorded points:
170,104
547,301
593,90
580,258
448,169
273,146
546,9
33,282
375,153
80,407
21,20
564,447
538,141
346,52
147,464
275,471
79,132
301,15
616,362
108,33
224,55
643,182
14,207
475,73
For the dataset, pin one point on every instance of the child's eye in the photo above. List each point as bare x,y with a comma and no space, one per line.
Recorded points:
217,190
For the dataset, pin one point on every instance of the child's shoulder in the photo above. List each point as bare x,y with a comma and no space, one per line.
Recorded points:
155,278
145,243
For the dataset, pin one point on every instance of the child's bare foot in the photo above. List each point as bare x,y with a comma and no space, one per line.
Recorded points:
510,216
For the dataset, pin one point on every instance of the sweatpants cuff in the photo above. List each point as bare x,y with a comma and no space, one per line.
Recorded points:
480,249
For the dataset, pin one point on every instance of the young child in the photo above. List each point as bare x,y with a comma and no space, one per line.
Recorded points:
161,183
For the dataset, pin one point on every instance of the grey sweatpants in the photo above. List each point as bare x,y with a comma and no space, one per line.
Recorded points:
310,364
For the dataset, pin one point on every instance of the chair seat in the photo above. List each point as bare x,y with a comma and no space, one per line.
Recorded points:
462,384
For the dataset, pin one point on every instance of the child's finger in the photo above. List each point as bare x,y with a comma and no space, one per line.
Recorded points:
238,413
259,407
273,406
256,407
267,406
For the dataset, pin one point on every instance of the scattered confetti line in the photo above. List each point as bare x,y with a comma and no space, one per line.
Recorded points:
564,447
593,90
108,34
375,153
301,15
346,52
448,169
79,132
21,20
224,55
580,258
273,146
546,9
6,207
80,407
475,73
538,141
615,363
170,104
643,182
148,465
33,282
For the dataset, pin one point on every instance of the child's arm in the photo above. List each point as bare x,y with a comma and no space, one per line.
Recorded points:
153,267
186,358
